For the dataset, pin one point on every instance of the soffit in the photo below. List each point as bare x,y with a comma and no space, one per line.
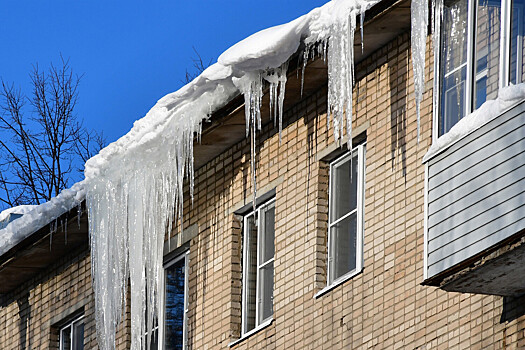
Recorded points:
33,255
383,23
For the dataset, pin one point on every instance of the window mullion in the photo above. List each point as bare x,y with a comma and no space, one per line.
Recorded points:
267,262
71,341
457,69
344,216
519,45
504,49
245,262
471,50
258,274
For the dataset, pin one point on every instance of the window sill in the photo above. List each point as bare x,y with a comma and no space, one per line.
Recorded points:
337,283
253,331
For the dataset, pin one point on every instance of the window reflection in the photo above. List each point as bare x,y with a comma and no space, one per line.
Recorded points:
175,306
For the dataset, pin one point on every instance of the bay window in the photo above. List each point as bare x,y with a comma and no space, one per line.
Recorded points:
482,50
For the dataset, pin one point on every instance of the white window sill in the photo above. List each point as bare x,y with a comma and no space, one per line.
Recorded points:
337,283
253,331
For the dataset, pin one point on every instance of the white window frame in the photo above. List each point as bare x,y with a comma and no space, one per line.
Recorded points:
504,63
70,324
358,152
258,325
186,257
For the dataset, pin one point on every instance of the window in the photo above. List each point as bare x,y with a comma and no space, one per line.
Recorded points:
72,334
258,257
345,217
176,303
482,49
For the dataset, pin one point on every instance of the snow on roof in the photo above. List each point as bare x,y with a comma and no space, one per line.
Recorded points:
210,91
134,186
507,97
37,216
188,107
21,210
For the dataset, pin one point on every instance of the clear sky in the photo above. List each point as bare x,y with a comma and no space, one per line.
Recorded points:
131,52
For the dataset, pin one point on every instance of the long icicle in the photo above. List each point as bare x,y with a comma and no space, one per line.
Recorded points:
419,18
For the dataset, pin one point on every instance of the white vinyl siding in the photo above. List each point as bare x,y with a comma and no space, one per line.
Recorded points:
476,192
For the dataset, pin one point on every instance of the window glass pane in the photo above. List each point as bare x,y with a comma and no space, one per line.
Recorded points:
250,271
174,325
343,245
65,338
517,44
268,247
453,63
453,101
487,52
154,342
78,335
343,194
266,292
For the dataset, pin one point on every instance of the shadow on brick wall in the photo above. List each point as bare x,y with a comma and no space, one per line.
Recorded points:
24,313
398,81
513,308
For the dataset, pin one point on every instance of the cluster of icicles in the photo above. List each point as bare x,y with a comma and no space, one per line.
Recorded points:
130,213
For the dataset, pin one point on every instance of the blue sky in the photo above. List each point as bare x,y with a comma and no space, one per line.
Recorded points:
131,52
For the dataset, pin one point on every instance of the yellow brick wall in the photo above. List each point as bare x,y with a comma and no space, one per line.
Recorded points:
384,307
29,315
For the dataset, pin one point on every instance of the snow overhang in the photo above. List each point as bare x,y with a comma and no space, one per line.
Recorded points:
66,235
383,23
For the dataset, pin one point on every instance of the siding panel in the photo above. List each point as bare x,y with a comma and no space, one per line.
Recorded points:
476,191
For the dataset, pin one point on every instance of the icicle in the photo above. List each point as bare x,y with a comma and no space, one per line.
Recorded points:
250,86
128,216
341,75
79,213
419,17
282,91
362,26
65,232
277,79
305,62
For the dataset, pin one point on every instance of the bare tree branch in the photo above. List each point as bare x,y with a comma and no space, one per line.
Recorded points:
198,67
38,155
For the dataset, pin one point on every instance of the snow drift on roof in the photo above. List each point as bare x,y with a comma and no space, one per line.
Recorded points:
37,216
507,97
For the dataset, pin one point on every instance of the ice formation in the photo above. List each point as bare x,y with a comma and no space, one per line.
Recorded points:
135,185
419,18
36,217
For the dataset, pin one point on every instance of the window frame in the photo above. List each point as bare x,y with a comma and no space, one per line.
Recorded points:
161,330
505,38
358,152
258,325
70,323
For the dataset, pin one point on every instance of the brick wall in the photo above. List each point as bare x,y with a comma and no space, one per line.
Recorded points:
31,315
384,307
